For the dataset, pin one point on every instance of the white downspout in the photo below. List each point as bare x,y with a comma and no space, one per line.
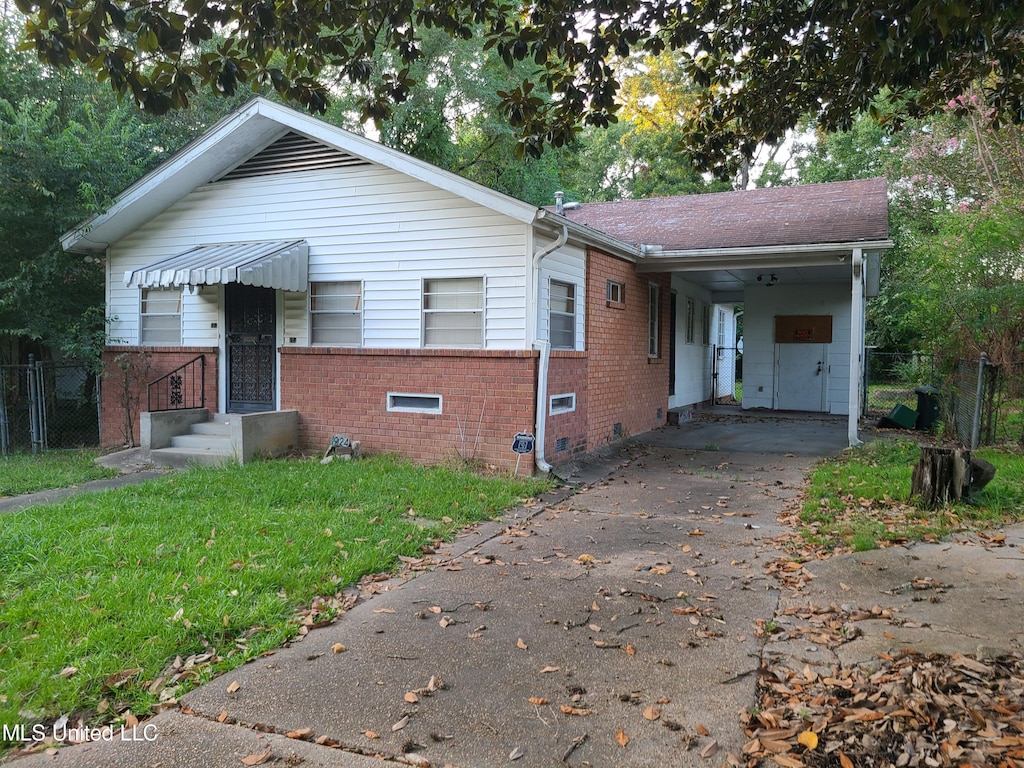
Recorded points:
545,353
856,343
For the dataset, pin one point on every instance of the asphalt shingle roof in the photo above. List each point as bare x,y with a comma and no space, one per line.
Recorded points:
837,212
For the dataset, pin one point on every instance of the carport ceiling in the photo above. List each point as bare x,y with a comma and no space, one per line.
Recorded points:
737,280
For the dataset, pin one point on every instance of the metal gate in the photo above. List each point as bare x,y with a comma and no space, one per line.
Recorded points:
726,376
47,405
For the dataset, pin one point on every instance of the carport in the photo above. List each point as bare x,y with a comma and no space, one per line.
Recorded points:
800,260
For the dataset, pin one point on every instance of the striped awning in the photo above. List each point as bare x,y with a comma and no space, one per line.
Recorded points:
281,264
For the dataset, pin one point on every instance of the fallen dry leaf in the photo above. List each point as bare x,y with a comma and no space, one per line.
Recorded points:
548,670
516,753
371,734
520,644
256,759
809,739
621,738
575,711
651,713
702,730
710,750
844,761
400,724
539,701
300,733
629,649
411,698
233,686
338,648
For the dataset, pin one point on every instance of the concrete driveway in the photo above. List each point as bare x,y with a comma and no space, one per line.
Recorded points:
616,625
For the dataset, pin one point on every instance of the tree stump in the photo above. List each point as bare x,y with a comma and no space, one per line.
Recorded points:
942,475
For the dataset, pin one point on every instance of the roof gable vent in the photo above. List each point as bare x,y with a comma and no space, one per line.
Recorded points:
290,154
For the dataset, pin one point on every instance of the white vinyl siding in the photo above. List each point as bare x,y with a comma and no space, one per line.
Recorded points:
336,313
453,312
160,317
366,223
562,307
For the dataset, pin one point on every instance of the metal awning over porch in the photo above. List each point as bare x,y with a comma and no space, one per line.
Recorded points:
280,264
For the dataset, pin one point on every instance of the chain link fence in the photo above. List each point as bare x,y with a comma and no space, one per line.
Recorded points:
989,402
727,376
47,405
981,401
893,377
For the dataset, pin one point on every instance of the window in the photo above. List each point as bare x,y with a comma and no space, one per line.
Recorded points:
653,320
335,313
615,292
705,324
399,401
562,310
563,403
721,328
160,320
690,320
453,312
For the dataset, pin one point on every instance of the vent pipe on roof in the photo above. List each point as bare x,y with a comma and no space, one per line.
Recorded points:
558,202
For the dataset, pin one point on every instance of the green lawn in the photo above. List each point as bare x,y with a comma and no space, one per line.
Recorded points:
100,593
860,500
28,473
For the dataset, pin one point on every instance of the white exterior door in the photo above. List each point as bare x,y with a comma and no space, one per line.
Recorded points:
801,375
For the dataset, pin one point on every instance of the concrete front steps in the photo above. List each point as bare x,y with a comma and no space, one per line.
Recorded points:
178,438
206,442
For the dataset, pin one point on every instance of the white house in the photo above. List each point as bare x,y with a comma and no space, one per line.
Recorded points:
361,292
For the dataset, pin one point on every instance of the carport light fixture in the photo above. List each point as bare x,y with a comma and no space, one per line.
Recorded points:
772,279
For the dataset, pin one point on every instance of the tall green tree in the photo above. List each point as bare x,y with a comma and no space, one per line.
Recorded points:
761,65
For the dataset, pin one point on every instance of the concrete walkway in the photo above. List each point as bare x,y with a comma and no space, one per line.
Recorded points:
621,625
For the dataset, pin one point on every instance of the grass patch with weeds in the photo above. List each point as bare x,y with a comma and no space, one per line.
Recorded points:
99,593
860,500
28,473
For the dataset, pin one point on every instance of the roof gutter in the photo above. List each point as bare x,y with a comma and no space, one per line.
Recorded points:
545,352
658,259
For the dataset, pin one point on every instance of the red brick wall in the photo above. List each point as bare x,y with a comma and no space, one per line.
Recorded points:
344,391
567,373
160,360
625,386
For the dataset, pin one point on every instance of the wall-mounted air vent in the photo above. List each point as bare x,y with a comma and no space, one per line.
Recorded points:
290,154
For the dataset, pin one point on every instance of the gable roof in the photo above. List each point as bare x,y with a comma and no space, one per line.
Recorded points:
236,139
811,214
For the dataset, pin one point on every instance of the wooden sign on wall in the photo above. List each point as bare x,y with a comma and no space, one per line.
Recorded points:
803,329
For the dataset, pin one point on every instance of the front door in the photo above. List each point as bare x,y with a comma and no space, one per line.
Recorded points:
251,347
801,371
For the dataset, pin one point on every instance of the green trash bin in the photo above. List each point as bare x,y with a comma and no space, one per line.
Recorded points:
903,416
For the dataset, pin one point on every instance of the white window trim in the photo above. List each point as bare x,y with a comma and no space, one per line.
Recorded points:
553,410
620,289
311,312
653,314
144,315
482,312
407,409
574,314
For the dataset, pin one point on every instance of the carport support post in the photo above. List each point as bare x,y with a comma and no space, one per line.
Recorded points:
856,342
